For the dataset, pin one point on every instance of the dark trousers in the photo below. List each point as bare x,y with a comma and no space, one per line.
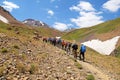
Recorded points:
82,56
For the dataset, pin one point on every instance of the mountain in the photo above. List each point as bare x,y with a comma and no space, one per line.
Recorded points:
24,57
6,17
44,30
69,29
100,33
32,22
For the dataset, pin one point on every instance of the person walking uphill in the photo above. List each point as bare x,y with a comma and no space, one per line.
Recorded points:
75,47
82,52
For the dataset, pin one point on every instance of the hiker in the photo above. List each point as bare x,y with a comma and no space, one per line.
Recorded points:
49,40
58,42
63,44
45,40
69,47
82,52
75,47
66,46
54,41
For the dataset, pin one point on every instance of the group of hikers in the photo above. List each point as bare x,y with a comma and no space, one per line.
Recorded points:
70,48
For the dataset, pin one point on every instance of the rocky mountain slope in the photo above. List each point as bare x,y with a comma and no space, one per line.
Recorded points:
11,20
101,32
33,60
13,24
23,55
32,22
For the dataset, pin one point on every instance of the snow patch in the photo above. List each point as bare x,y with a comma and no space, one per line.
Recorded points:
103,47
25,21
3,19
41,23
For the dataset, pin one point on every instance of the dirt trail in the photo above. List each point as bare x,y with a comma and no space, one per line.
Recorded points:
98,74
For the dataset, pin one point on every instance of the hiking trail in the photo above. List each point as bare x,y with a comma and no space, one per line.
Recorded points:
98,74
95,71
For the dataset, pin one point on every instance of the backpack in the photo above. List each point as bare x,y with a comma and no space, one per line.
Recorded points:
75,46
83,48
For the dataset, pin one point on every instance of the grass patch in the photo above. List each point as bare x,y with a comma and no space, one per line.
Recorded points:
4,50
84,33
73,59
90,77
118,52
1,70
16,47
78,65
21,67
33,68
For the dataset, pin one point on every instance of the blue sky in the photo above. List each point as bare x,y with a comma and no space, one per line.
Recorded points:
64,14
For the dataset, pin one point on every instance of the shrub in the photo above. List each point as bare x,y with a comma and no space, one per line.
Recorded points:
16,47
79,66
90,77
33,68
73,59
21,67
24,57
4,50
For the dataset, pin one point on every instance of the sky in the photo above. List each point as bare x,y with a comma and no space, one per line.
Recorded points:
64,14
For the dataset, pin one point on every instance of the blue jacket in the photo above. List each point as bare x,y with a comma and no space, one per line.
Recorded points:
83,48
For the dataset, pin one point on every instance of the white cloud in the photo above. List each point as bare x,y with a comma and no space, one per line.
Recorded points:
50,12
88,16
87,19
61,26
112,5
9,5
83,6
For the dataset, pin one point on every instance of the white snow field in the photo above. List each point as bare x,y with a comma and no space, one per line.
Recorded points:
3,19
103,47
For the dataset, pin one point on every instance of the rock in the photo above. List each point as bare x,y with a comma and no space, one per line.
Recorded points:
15,78
8,78
2,78
9,28
17,32
69,67
26,78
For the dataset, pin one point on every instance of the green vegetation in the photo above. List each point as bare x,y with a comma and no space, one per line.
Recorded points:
16,47
73,59
108,26
21,67
27,31
107,63
33,68
86,33
1,70
4,50
118,52
90,77
78,65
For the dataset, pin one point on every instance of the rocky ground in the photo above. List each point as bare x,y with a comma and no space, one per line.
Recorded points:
35,60
30,59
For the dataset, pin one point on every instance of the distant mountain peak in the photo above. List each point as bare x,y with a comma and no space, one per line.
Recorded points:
32,22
